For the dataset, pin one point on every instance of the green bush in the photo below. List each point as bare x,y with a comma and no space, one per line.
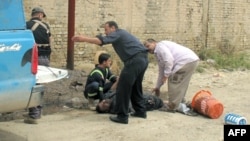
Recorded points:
226,60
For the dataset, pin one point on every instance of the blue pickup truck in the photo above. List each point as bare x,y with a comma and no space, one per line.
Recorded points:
19,70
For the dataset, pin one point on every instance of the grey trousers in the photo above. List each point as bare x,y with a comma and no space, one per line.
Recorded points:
178,84
35,112
43,60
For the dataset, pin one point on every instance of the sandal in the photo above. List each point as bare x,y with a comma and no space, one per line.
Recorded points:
166,108
188,103
191,112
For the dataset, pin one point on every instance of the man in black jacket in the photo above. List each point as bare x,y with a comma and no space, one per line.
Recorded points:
42,35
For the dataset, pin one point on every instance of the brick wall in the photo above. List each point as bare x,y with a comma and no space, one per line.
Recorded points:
194,23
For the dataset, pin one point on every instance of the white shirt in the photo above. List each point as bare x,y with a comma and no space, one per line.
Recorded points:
171,57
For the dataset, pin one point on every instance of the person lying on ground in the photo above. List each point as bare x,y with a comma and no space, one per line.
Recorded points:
108,104
152,102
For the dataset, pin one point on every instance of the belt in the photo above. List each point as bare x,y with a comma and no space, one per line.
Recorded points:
43,45
142,52
135,55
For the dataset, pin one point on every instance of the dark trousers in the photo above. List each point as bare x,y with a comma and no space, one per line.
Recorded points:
130,85
92,90
36,112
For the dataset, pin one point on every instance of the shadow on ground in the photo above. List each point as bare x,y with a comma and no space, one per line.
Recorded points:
7,136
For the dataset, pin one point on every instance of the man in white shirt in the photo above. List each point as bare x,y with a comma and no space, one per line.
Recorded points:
177,65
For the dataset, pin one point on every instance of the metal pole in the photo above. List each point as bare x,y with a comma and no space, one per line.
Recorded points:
71,31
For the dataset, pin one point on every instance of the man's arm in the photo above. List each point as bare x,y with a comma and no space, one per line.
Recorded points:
82,38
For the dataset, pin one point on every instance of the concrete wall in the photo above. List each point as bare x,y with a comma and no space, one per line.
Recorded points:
197,24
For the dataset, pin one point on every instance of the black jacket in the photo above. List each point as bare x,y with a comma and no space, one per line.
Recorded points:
100,75
152,102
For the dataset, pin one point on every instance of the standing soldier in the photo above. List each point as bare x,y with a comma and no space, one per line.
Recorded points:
41,32
42,36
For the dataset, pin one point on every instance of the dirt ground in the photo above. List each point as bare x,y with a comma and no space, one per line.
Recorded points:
66,117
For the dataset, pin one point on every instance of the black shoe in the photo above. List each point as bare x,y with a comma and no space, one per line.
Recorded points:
140,115
166,108
30,120
118,120
28,116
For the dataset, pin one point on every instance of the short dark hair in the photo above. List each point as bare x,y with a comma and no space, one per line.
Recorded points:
103,57
151,40
37,10
98,110
112,23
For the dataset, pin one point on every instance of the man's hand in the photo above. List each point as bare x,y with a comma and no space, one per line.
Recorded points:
164,79
156,91
78,38
81,38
